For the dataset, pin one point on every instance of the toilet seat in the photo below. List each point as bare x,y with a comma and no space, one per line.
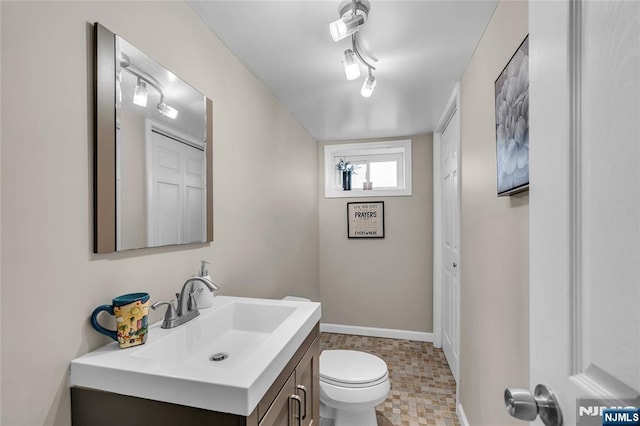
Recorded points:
352,369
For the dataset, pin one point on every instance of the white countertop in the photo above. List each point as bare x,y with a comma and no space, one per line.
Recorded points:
260,335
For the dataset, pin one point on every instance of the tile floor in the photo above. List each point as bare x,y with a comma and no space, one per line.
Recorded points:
423,391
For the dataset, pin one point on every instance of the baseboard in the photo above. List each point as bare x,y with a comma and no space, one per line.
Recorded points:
377,332
461,416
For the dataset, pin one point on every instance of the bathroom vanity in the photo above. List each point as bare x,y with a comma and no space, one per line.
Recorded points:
243,362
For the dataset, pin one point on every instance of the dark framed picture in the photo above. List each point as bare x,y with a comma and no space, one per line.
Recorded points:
365,219
512,123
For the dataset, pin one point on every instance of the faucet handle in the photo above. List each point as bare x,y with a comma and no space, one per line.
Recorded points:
193,305
170,313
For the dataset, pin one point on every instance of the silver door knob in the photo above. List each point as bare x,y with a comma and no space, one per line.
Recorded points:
521,404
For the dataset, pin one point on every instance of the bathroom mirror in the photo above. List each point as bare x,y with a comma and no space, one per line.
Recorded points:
152,152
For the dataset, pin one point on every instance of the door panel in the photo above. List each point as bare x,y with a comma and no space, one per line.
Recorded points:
610,177
177,197
584,205
167,219
195,208
450,243
194,213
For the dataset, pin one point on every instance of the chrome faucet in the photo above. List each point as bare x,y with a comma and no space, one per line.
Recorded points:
187,308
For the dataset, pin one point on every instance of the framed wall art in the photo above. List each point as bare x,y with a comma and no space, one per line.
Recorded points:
512,123
365,219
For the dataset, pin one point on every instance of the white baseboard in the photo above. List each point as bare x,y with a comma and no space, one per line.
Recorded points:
377,332
461,416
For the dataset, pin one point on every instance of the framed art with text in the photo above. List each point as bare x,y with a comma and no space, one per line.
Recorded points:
365,219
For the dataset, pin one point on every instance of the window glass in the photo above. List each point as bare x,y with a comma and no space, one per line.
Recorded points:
384,174
359,176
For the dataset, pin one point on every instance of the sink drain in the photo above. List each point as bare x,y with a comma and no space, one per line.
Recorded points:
220,356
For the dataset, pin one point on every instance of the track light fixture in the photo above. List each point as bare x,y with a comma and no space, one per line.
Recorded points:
351,68
353,14
345,26
166,109
368,85
140,95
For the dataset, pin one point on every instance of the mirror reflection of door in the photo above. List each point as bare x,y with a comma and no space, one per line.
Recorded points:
176,203
161,195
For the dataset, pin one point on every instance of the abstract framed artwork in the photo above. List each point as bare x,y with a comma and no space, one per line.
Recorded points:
512,123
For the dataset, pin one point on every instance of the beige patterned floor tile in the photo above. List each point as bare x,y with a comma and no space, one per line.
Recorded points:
423,391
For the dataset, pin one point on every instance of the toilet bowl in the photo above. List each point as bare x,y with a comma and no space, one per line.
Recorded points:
352,383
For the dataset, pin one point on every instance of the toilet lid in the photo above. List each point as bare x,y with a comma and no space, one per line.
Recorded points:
351,367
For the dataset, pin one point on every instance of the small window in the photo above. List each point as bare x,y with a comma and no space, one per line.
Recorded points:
385,166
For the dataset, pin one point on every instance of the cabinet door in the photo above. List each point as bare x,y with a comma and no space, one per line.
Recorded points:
308,385
280,414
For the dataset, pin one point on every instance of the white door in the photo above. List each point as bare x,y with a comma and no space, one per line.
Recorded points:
450,243
194,195
176,192
584,204
165,212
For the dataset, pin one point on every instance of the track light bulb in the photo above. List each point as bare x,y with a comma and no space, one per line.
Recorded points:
167,110
351,68
140,94
345,26
368,86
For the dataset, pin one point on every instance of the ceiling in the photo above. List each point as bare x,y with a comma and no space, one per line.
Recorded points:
422,48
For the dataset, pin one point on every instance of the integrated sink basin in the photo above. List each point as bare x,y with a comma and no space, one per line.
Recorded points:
235,330
223,360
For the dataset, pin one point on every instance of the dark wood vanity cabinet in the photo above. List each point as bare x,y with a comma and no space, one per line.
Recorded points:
292,400
297,402
308,376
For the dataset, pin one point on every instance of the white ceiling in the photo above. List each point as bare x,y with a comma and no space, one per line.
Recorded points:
422,47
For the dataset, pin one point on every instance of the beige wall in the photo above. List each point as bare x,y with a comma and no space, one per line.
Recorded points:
265,189
494,331
381,283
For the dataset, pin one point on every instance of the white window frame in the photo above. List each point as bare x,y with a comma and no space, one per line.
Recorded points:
334,152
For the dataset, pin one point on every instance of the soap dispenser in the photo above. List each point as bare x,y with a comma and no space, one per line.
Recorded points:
203,296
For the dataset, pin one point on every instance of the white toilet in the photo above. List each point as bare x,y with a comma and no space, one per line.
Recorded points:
352,383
